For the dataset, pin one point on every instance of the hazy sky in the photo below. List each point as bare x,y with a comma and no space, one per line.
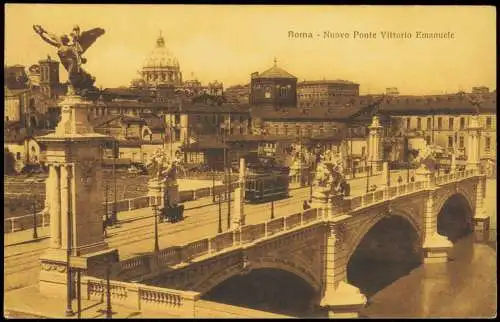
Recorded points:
228,43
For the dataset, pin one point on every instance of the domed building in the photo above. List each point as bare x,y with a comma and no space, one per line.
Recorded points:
161,68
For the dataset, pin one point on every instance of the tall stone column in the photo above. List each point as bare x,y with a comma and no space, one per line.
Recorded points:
238,219
374,144
435,246
341,299
64,197
473,146
53,191
77,150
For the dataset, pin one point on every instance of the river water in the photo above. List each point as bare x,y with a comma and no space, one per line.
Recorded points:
466,286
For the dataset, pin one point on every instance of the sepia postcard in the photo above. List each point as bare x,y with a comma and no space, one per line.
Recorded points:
249,161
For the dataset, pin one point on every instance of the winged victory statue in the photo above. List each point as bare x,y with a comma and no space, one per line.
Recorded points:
70,49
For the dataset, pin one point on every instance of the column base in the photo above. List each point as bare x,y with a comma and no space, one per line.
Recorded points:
53,272
344,302
436,249
481,227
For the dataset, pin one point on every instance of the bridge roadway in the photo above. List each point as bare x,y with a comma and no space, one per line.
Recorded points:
135,233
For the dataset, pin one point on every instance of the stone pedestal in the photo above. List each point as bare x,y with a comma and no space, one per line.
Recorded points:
345,301
74,154
321,200
423,174
171,194
436,249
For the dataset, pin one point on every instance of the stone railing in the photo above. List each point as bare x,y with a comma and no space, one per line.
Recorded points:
370,198
181,255
13,224
141,297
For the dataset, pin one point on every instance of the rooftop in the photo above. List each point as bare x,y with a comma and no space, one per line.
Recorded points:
321,82
275,72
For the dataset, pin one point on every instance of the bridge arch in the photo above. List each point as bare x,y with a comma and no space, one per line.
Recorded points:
291,266
386,248
455,216
367,226
443,200
269,289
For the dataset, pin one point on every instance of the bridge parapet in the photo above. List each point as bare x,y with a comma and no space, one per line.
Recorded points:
143,297
393,192
181,256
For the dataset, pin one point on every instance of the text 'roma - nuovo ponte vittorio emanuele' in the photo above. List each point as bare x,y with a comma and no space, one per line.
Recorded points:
313,255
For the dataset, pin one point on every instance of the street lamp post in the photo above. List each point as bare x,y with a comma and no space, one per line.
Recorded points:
114,211
109,310
220,214
213,186
35,233
155,211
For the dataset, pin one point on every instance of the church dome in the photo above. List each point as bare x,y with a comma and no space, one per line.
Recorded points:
160,57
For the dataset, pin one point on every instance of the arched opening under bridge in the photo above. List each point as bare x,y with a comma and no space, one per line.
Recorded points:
267,289
390,250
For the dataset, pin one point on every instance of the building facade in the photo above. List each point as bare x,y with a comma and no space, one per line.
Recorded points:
319,93
273,87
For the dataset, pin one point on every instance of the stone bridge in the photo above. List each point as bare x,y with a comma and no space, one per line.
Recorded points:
318,244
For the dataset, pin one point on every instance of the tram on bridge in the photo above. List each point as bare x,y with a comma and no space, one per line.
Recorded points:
265,179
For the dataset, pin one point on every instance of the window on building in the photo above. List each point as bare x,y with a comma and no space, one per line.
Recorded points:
450,123
440,123
428,139
429,123
487,143
283,91
419,123
488,122
461,142
18,156
462,123
408,123
363,151
450,141
122,155
134,156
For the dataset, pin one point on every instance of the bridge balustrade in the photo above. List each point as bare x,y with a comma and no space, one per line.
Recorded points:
222,241
143,297
196,248
253,232
309,215
170,256
26,222
292,221
275,226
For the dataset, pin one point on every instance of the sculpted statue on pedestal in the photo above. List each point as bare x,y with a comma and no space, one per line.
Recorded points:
70,49
329,177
